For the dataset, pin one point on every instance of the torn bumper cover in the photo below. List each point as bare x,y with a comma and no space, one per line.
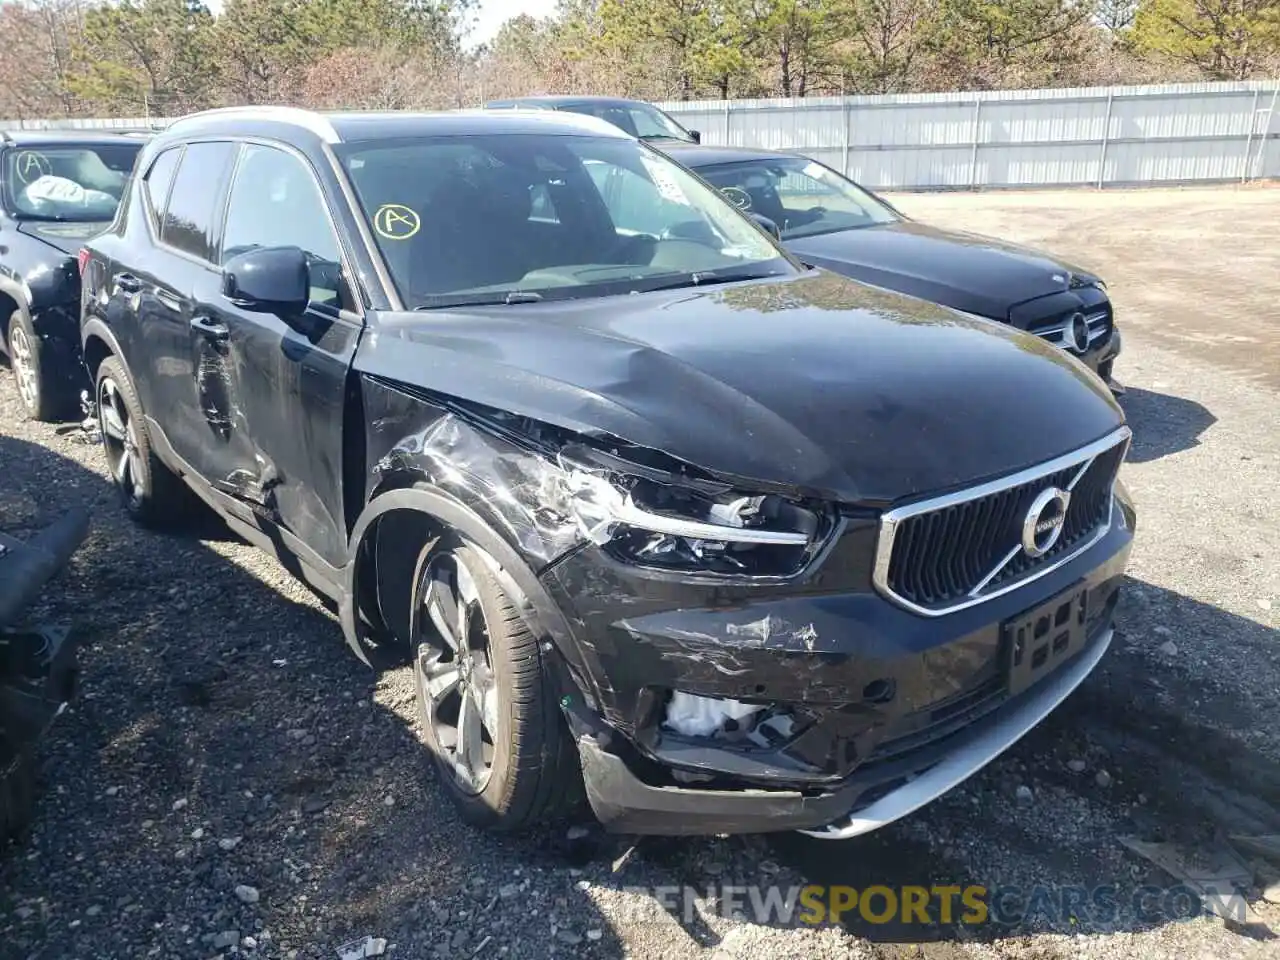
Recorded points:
37,664
817,705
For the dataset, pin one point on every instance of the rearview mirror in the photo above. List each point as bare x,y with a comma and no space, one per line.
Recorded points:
767,224
268,280
697,135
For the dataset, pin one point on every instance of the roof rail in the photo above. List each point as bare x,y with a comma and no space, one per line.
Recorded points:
306,119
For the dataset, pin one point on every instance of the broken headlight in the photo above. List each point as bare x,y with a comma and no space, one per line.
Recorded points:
665,526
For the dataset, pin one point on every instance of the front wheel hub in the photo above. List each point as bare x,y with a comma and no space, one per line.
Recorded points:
455,673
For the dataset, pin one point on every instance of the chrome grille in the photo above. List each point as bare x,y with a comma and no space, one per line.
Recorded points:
1059,331
954,551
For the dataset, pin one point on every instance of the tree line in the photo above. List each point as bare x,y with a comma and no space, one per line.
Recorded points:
166,57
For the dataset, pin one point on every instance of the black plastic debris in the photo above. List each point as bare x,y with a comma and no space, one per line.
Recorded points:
37,662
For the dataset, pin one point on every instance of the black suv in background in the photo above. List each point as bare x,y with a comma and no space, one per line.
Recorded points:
642,120
56,190
735,544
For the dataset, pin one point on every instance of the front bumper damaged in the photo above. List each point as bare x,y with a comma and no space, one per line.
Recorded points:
884,710
866,801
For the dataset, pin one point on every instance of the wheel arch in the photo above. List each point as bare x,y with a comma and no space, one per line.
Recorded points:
98,343
421,511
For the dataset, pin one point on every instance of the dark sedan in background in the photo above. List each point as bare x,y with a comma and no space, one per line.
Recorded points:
829,221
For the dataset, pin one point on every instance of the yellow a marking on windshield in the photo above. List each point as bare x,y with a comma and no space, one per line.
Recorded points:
395,221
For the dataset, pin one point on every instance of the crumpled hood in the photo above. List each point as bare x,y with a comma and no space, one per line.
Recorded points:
67,237
966,271
812,384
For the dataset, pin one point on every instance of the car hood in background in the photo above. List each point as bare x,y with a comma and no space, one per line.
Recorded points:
67,237
812,384
968,272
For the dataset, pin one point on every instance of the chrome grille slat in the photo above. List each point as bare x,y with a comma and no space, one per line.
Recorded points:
957,550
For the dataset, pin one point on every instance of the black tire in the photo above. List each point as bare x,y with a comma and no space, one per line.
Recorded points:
152,494
534,773
45,391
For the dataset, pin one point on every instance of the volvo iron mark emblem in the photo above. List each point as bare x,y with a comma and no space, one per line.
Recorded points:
1078,332
1043,525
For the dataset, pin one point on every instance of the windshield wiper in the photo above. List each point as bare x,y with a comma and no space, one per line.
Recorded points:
708,278
47,218
507,299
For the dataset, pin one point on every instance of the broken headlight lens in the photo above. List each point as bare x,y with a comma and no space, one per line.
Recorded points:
668,527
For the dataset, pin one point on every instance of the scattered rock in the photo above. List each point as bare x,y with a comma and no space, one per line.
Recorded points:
249,943
246,893
364,947
578,832
569,937
227,938
508,890
594,934
228,843
93,911
1264,604
389,800
24,913
1076,766
1161,631
1168,648
112,791
1103,779
179,803
197,833
1024,794
314,804
296,733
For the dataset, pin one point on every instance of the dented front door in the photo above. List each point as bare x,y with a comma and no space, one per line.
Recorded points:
276,384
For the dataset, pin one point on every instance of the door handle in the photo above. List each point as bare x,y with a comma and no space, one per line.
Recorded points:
210,328
128,282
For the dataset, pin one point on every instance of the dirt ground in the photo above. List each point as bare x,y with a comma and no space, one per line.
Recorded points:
227,740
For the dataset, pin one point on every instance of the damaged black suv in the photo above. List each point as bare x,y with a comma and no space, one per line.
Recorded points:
736,545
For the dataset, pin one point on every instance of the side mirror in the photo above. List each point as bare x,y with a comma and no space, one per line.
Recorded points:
767,224
697,135
268,280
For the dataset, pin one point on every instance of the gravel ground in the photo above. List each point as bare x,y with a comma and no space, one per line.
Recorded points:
232,780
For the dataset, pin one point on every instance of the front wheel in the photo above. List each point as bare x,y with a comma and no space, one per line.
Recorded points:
487,708
44,390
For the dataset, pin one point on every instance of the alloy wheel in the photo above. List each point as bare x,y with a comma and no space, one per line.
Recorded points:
22,359
120,440
455,671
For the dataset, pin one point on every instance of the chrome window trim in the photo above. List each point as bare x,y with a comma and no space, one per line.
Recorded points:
890,520
316,123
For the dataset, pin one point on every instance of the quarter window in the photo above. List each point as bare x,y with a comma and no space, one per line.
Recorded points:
158,181
189,217
276,202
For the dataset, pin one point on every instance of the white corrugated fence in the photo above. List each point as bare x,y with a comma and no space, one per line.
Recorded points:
1103,136
1096,136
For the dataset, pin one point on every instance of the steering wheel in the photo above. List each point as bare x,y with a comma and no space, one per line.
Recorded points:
738,197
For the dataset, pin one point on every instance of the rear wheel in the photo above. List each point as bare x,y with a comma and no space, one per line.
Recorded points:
488,710
151,492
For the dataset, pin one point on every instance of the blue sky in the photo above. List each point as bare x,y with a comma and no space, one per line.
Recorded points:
494,13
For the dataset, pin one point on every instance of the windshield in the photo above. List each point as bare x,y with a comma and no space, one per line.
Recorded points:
801,196
638,119
514,218
64,182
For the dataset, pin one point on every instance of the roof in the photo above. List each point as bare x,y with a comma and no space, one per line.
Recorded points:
695,155
563,99
356,127
50,137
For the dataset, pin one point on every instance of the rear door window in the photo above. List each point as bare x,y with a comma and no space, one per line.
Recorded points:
159,180
189,217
